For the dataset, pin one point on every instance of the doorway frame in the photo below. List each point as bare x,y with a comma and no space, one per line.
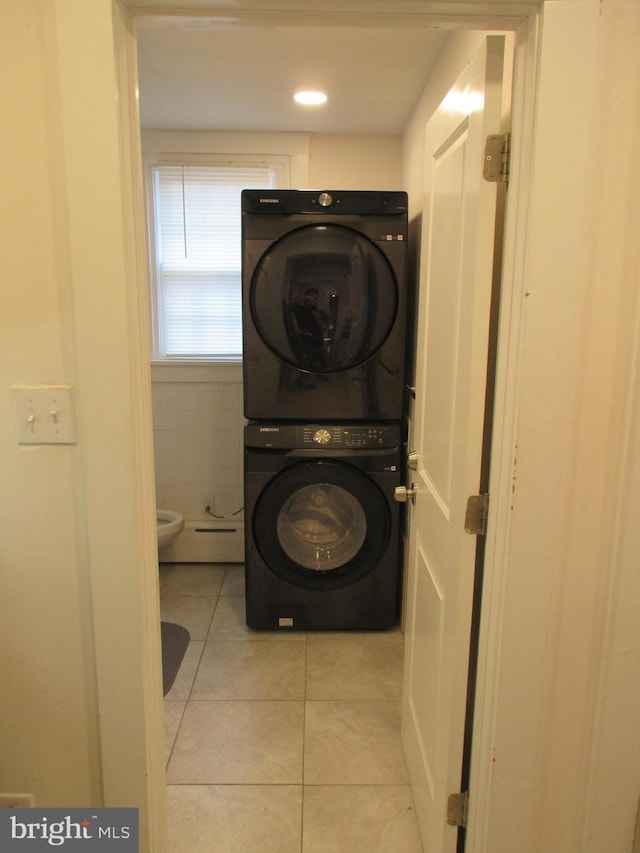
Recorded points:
526,21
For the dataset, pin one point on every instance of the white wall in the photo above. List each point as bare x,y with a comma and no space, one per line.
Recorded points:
355,163
50,744
197,434
577,435
78,572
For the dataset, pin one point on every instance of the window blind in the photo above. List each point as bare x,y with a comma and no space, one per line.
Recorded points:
197,218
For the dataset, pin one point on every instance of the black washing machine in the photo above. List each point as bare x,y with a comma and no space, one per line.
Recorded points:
324,304
322,533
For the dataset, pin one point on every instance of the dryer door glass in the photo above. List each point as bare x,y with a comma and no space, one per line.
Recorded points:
324,298
321,527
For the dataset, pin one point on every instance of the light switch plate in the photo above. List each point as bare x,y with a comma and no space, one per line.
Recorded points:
44,414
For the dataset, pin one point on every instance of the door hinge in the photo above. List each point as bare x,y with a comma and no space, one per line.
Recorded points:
475,520
497,155
457,809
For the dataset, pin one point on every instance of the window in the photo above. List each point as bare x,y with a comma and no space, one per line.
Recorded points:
195,238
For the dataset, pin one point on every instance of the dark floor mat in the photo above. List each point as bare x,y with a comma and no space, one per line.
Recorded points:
175,640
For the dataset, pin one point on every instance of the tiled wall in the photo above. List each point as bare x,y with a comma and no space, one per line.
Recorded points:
198,446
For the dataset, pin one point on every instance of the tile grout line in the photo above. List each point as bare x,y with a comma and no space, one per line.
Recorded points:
304,738
195,674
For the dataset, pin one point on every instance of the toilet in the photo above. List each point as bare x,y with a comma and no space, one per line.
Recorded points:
169,525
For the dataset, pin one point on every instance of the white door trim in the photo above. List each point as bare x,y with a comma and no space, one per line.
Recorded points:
496,557
125,48
496,778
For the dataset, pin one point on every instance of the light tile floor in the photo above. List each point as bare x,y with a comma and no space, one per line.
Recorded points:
280,743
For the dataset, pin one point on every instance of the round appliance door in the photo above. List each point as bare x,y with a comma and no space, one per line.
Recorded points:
321,524
323,298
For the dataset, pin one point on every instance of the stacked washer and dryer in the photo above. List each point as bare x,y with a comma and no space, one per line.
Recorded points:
324,313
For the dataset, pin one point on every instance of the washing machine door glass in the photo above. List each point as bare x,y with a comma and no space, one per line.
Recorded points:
321,524
321,527
323,298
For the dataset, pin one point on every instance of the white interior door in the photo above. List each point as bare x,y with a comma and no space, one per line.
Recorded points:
447,429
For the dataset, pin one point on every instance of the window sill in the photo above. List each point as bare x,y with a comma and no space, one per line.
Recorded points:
196,371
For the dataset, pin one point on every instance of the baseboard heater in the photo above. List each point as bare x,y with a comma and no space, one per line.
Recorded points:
206,542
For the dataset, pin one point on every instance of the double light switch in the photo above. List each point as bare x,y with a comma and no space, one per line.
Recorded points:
43,414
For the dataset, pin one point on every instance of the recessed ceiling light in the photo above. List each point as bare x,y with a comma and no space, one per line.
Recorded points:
310,99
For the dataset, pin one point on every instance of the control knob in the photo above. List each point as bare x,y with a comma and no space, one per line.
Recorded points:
402,494
413,458
322,436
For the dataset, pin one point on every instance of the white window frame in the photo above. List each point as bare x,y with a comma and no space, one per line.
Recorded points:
279,163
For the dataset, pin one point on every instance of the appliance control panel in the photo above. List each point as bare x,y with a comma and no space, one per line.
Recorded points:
323,436
351,436
328,202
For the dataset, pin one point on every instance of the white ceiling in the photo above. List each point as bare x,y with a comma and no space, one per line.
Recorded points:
204,75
